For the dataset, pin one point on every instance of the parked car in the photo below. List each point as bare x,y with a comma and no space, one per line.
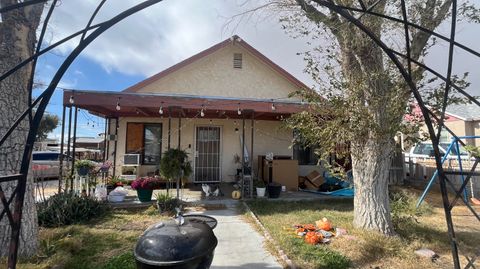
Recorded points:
46,164
425,150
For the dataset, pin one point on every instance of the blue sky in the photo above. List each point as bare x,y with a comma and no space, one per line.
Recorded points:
83,74
171,31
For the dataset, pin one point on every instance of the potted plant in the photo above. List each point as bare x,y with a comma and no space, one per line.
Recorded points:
260,187
145,186
105,166
274,189
165,202
174,165
113,182
84,167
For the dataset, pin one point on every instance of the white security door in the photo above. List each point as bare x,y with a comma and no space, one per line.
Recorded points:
207,154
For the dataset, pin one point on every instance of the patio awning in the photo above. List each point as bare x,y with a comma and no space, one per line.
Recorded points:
104,104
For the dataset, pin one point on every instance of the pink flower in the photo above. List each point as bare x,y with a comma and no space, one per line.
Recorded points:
146,183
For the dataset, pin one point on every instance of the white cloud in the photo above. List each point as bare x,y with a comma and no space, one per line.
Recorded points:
168,32
151,40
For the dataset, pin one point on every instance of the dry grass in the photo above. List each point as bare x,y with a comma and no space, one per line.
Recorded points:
105,243
368,249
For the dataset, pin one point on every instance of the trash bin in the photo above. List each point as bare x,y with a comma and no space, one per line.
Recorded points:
168,244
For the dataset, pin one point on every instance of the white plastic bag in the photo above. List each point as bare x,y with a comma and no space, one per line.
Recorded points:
119,191
101,192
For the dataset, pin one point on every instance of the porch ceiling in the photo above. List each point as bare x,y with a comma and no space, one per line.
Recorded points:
147,105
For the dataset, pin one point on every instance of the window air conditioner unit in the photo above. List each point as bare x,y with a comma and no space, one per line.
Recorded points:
131,159
112,137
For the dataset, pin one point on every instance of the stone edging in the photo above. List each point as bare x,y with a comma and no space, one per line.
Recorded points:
267,235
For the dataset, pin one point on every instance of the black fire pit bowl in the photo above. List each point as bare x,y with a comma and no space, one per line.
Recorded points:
170,245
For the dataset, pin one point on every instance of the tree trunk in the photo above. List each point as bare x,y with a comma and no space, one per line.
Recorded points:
17,42
371,163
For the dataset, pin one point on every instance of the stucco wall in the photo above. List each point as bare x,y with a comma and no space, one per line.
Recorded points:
214,75
268,137
476,130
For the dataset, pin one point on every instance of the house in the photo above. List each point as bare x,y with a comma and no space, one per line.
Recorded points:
94,143
90,147
45,144
463,120
225,101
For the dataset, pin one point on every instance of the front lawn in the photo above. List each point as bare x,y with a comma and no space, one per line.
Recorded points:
366,249
105,243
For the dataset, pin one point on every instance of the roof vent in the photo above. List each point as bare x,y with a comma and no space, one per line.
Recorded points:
237,60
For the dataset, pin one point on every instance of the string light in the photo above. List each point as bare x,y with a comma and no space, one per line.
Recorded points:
118,105
202,114
239,112
273,107
71,101
160,110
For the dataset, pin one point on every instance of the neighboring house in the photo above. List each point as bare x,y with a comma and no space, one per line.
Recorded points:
463,120
91,148
45,144
95,143
200,105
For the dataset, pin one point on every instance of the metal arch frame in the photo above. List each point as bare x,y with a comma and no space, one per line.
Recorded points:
344,11
426,112
42,101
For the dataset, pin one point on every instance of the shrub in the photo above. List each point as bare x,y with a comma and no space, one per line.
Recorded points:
404,208
166,202
68,208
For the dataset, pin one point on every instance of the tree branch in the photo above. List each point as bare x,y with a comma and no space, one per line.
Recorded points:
332,22
429,21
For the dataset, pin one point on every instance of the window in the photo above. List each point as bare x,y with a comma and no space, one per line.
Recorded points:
152,143
304,155
146,140
237,60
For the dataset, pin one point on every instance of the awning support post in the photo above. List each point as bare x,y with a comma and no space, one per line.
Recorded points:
62,138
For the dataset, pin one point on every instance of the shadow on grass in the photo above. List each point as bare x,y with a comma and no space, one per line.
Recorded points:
263,207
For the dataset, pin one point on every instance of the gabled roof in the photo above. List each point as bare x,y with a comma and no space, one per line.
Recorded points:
466,112
234,39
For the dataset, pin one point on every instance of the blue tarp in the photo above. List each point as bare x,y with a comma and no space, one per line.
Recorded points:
349,192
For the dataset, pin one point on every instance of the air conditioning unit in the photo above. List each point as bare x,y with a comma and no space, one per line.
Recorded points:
131,159
112,137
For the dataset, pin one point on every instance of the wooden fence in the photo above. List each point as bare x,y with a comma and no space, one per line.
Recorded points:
419,171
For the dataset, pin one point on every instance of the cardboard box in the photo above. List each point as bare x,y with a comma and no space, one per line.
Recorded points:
285,172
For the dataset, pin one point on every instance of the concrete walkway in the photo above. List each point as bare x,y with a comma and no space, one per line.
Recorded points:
239,245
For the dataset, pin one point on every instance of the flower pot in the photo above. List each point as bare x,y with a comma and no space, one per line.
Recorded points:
110,188
144,195
261,192
274,190
83,171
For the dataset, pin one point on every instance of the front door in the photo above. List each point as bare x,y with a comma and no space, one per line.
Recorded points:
207,154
